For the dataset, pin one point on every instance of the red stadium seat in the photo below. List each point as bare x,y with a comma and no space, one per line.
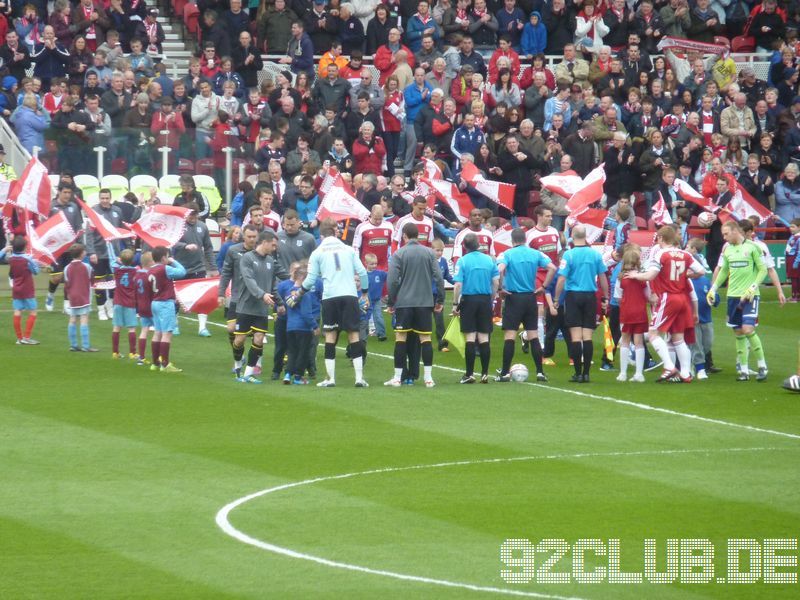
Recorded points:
191,18
722,41
743,44
204,166
119,166
185,166
178,6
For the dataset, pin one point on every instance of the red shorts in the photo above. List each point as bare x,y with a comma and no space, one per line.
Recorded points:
634,328
689,337
540,277
673,314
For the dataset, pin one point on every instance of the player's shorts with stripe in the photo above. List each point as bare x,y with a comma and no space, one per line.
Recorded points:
476,313
743,313
230,312
634,328
24,304
250,323
520,308
164,317
418,319
580,309
690,336
124,316
341,313
672,314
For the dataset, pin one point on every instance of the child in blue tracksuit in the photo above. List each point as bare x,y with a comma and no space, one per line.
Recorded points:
302,324
704,329
438,248
377,279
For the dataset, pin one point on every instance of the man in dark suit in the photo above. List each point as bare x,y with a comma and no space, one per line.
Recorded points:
756,181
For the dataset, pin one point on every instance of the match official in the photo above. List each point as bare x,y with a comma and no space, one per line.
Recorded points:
476,282
519,267
581,270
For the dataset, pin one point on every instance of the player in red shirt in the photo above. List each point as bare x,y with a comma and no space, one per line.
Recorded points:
124,303
547,240
674,313
632,296
21,269
143,297
475,225
374,236
416,216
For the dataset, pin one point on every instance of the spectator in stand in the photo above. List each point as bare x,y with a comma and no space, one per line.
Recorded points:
271,152
649,26
423,123
205,107
652,164
427,53
302,156
483,26
378,28
15,56
420,25
254,115
73,129
416,95
331,90
767,27
192,79
212,30
386,56
511,22
120,22
275,27
571,68
468,56
300,54
393,115
30,122
351,31
61,23
504,51
227,74
581,147
619,21
558,105
331,57
138,8
787,194
505,90
50,56
171,122
90,20
534,36
737,120
756,181
282,89
150,32
296,120
590,28
321,25
321,137
369,151
339,157
236,19
358,115
705,22
517,166
141,62
29,26
80,59
675,18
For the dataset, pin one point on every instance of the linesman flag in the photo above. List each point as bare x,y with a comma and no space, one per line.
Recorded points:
197,295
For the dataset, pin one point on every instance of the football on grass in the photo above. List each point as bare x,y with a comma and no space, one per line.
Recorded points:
518,372
790,383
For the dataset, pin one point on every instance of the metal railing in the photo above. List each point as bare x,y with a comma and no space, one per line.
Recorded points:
16,155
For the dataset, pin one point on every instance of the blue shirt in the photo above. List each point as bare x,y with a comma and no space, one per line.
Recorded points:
377,279
581,266
445,269
522,263
613,282
701,287
475,273
304,316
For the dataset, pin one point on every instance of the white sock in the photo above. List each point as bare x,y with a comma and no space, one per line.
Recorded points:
685,358
639,352
330,367
49,296
258,362
427,372
248,370
762,364
624,357
660,346
398,374
540,328
358,365
201,322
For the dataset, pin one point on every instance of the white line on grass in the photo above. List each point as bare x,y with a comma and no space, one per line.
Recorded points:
223,522
629,403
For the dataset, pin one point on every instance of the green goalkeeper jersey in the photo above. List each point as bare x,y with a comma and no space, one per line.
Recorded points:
743,266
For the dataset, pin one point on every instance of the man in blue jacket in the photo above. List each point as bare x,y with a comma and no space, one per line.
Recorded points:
416,95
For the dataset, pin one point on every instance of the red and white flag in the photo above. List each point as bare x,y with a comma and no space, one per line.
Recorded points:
501,238
32,191
51,238
197,295
689,194
103,226
339,205
432,170
743,205
592,219
5,188
661,215
448,192
497,192
643,238
564,184
161,225
590,191
332,178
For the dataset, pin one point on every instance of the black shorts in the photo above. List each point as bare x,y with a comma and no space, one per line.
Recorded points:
417,319
476,313
195,275
250,323
230,312
340,314
520,309
580,310
61,263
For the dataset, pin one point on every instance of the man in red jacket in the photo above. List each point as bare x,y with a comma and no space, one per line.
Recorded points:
369,151
385,56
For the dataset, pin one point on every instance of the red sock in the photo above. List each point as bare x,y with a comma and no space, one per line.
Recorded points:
142,347
132,342
164,353
115,342
29,325
155,348
18,326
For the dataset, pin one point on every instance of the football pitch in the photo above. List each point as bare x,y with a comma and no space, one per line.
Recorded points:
118,482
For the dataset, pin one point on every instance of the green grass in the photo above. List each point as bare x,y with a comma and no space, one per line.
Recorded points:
112,475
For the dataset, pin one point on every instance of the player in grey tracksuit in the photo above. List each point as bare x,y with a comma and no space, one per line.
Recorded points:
231,274
195,252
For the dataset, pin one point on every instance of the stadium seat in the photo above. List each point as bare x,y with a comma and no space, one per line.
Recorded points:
185,166
88,184
534,200
118,184
207,186
641,223
141,184
92,199
191,18
743,43
169,186
213,229
204,166
119,166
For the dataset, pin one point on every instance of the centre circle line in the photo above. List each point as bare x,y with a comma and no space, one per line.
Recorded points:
223,521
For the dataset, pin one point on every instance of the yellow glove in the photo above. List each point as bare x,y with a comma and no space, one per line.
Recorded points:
750,293
711,297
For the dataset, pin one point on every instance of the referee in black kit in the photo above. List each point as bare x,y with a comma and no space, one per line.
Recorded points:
581,270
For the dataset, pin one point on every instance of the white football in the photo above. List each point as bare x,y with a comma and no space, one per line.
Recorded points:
518,372
705,219
790,383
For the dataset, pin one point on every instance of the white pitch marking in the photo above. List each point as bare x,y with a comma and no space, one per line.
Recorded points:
224,523
629,403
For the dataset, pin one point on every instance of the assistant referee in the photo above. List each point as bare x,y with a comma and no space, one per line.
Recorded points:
581,270
476,282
